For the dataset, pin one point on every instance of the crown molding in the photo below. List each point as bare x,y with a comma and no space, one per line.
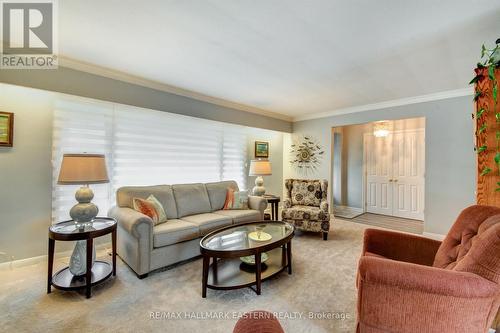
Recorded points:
121,76
392,103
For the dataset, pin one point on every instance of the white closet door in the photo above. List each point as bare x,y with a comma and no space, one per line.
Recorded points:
408,174
379,164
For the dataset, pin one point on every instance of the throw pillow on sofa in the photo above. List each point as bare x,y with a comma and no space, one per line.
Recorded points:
151,207
236,199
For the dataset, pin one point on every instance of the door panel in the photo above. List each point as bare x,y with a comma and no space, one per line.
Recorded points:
395,170
379,196
409,164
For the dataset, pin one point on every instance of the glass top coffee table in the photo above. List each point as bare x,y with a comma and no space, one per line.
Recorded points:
246,254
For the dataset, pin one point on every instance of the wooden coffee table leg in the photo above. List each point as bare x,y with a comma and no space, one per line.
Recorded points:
204,278
214,269
258,271
52,244
88,278
289,256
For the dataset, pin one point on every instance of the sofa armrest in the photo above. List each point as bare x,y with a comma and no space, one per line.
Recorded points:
134,222
425,279
257,203
400,246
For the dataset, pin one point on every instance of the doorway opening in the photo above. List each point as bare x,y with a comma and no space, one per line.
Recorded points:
378,173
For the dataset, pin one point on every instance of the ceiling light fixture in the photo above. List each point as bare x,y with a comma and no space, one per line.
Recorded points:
381,129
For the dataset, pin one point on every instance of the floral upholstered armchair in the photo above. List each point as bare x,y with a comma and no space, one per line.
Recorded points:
305,205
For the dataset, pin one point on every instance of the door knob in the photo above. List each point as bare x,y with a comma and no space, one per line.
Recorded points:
390,180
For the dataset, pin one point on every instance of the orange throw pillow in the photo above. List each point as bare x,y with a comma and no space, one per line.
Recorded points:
147,208
228,204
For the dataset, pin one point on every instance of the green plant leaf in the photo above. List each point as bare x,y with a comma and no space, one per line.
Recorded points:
481,149
495,92
485,171
482,128
475,79
497,158
497,134
477,95
497,115
497,189
483,50
480,65
491,73
480,112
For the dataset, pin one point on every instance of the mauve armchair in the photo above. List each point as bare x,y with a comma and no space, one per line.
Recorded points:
408,283
258,322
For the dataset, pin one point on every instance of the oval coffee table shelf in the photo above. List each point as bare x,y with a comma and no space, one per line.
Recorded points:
64,280
233,273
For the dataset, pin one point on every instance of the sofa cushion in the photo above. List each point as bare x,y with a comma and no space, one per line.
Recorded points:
217,193
174,231
208,222
241,215
191,199
164,194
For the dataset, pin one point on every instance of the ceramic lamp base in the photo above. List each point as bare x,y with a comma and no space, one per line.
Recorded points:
259,188
84,210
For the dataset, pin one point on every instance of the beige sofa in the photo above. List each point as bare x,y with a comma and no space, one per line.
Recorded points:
193,210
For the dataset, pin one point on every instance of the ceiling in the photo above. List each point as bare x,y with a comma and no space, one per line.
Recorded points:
291,57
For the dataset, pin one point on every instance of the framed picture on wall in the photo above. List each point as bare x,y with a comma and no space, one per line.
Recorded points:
6,129
261,149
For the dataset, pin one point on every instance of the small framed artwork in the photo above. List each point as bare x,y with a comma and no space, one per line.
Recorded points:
261,149
6,129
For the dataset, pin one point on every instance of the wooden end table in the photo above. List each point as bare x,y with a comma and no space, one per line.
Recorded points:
274,201
71,231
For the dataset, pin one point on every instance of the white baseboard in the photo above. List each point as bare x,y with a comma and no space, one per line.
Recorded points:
439,237
43,259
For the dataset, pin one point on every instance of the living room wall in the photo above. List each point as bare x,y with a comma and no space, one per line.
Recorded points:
450,161
26,172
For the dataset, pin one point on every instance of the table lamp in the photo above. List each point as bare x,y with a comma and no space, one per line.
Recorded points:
82,169
259,168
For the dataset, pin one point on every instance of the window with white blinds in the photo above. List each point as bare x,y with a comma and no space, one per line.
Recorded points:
144,147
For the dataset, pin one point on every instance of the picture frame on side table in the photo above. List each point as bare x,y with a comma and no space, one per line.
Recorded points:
6,129
261,149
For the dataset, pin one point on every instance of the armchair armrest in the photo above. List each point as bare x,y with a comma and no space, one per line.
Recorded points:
396,296
324,205
131,220
400,246
257,203
424,279
287,203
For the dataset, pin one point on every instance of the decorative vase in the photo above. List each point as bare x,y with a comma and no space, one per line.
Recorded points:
78,261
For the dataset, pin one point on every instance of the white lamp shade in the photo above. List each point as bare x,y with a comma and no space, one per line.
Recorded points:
83,169
260,168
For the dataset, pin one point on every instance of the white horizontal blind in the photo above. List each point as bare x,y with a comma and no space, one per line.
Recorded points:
144,147
80,127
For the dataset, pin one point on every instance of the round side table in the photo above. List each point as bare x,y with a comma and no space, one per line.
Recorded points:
72,231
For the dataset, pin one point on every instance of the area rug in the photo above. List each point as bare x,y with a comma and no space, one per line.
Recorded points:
320,295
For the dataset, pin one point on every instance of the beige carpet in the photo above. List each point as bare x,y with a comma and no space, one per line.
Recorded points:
322,284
